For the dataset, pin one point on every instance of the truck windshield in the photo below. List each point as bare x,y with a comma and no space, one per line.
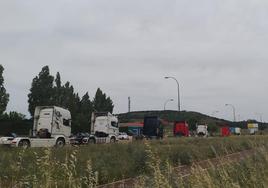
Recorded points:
114,124
67,122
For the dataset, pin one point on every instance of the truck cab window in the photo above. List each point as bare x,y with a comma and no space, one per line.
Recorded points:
66,122
114,124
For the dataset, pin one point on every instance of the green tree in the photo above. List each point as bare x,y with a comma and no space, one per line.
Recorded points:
58,80
41,92
70,100
4,96
86,105
213,128
102,103
13,116
82,120
192,123
58,94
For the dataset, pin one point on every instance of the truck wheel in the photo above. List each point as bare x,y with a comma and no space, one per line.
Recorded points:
91,141
60,143
113,140
24,144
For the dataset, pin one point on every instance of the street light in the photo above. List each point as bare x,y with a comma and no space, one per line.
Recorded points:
179,102
169,100
233,110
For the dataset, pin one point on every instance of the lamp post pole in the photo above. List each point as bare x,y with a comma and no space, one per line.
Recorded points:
179,102
233,110
169,100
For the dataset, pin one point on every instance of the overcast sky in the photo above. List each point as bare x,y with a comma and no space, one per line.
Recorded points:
217,49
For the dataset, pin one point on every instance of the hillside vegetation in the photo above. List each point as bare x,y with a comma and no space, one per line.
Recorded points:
191,117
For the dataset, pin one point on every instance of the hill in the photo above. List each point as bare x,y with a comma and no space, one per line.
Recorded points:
191,117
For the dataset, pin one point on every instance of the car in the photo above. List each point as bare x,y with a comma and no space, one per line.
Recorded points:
78,138
123,136
7,139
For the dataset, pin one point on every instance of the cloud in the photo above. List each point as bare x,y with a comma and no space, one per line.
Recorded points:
216,49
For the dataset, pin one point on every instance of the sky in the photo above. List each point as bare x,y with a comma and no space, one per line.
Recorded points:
217,50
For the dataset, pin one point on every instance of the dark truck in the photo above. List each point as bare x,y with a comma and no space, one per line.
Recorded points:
152,128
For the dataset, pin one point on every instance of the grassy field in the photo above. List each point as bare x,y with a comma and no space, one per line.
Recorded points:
90,165
249,173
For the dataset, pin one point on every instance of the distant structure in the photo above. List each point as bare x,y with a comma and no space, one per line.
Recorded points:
129,103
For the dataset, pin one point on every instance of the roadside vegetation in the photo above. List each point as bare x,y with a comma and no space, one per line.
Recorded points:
248,173
99,164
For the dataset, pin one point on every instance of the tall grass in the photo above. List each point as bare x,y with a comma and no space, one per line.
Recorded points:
91,165
249,173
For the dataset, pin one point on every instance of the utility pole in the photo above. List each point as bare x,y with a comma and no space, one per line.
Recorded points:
129,103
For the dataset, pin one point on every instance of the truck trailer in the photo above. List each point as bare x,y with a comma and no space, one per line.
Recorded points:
52,127
152,128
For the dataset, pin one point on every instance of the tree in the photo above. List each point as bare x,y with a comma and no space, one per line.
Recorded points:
82,120
70,100
58,80
101,103
4,96
13,116
58,91
213,128
192,123
41,92
86,105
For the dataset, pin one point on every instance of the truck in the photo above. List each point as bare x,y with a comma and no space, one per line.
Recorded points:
235,130
181,128
202,130
7,139
52,127
104,128
232,130
225,131
152,128
253,128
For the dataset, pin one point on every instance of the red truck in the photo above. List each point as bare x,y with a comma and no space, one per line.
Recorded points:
225,131
181,128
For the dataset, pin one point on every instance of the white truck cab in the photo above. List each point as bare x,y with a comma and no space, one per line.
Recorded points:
52,127
237,131
104,128
253,128
202,130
